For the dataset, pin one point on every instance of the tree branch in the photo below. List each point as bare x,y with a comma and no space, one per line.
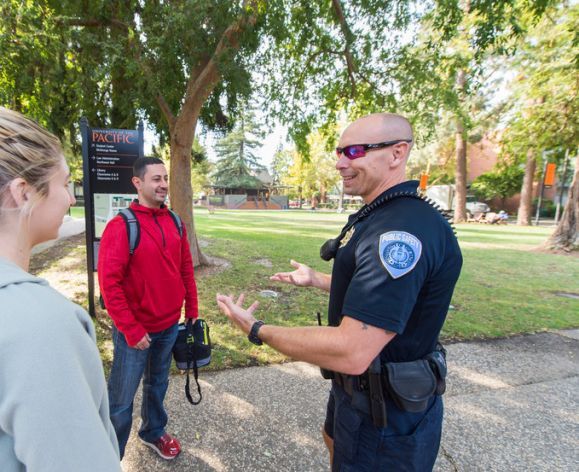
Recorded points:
91,23
349,37
200,86
136,47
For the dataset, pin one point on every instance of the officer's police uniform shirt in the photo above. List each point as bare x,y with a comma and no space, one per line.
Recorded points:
397,271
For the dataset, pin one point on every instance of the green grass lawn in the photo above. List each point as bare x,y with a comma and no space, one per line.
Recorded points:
506,287
77,212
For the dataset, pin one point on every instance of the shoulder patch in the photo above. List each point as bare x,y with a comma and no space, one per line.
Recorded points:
399,252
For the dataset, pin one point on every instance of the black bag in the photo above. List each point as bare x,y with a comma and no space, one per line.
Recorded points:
192,350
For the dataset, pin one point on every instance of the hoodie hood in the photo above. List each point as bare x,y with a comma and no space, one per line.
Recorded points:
10,274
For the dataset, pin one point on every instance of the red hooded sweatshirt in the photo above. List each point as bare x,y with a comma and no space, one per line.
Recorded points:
144,292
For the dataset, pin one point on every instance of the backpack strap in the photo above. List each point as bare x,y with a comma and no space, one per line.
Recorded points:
177,221
133,228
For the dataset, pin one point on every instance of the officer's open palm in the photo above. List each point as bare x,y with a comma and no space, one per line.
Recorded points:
234,310
303,276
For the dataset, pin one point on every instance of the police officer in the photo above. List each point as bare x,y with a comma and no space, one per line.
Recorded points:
396,264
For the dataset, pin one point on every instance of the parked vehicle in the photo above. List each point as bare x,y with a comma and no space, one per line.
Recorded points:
474,208
445,197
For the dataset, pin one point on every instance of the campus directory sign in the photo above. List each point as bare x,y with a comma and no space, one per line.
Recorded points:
108,156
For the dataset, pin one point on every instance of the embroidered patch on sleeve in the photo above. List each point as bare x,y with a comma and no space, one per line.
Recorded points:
399,252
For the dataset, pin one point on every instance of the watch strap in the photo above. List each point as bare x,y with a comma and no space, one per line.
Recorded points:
252,336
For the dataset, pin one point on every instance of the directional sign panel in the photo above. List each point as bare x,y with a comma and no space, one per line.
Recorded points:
112,153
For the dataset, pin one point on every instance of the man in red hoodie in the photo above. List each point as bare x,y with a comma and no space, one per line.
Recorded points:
144,294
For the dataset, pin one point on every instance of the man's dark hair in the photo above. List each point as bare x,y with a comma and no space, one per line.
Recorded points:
140,165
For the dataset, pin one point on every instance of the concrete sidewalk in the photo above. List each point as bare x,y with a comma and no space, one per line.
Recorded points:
70,227
511,405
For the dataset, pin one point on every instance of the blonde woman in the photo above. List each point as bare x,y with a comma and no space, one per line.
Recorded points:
54,413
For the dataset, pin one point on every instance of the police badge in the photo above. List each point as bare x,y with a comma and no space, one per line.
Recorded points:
399,252
346,239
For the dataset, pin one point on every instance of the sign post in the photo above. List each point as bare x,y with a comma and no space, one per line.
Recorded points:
108,156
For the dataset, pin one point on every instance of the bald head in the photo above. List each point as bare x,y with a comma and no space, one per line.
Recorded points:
378,167
377,127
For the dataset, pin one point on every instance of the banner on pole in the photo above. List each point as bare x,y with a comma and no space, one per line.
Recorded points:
550,175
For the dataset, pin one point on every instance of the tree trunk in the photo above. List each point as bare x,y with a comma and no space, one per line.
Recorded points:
460,177
524,214
460,149
566,234
180,191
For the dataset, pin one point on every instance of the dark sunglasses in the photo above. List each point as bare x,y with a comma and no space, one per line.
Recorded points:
355,151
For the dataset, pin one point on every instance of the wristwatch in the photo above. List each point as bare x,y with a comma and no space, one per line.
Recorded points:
252,336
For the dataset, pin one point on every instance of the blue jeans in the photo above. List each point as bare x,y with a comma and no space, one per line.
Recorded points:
409,442
129,366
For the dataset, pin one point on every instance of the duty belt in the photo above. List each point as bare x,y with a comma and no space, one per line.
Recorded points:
366,392
410,385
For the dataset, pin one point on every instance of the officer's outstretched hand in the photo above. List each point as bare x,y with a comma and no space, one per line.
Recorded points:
234,310
303,276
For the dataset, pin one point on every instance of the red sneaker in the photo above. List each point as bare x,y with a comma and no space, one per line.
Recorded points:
166,446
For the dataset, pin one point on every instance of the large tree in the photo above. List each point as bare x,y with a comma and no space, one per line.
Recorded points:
313,175
174,63
566,235
463,50
238,163
544,107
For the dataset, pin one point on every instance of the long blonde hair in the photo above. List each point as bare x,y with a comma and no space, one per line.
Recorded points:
27,151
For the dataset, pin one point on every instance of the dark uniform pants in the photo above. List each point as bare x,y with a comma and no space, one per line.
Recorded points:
410,442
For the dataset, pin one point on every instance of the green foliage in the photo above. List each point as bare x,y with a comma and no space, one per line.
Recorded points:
201,167
548,208
365,56
312,175
503,182
110,60
544,107
37,77
280,164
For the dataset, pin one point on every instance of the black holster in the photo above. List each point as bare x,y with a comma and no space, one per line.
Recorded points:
377,402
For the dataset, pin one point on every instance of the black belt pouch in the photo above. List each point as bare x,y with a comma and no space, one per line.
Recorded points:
410,384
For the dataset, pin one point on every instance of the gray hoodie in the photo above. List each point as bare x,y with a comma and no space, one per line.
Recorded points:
54,413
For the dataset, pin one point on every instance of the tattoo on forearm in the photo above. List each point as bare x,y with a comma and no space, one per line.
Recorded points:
364,326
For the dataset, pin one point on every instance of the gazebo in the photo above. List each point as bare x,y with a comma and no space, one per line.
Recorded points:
254,192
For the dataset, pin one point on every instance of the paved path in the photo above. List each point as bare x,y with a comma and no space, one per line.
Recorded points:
70,226
511,405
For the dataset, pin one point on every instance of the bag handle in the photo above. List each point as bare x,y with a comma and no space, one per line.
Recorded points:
191,357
